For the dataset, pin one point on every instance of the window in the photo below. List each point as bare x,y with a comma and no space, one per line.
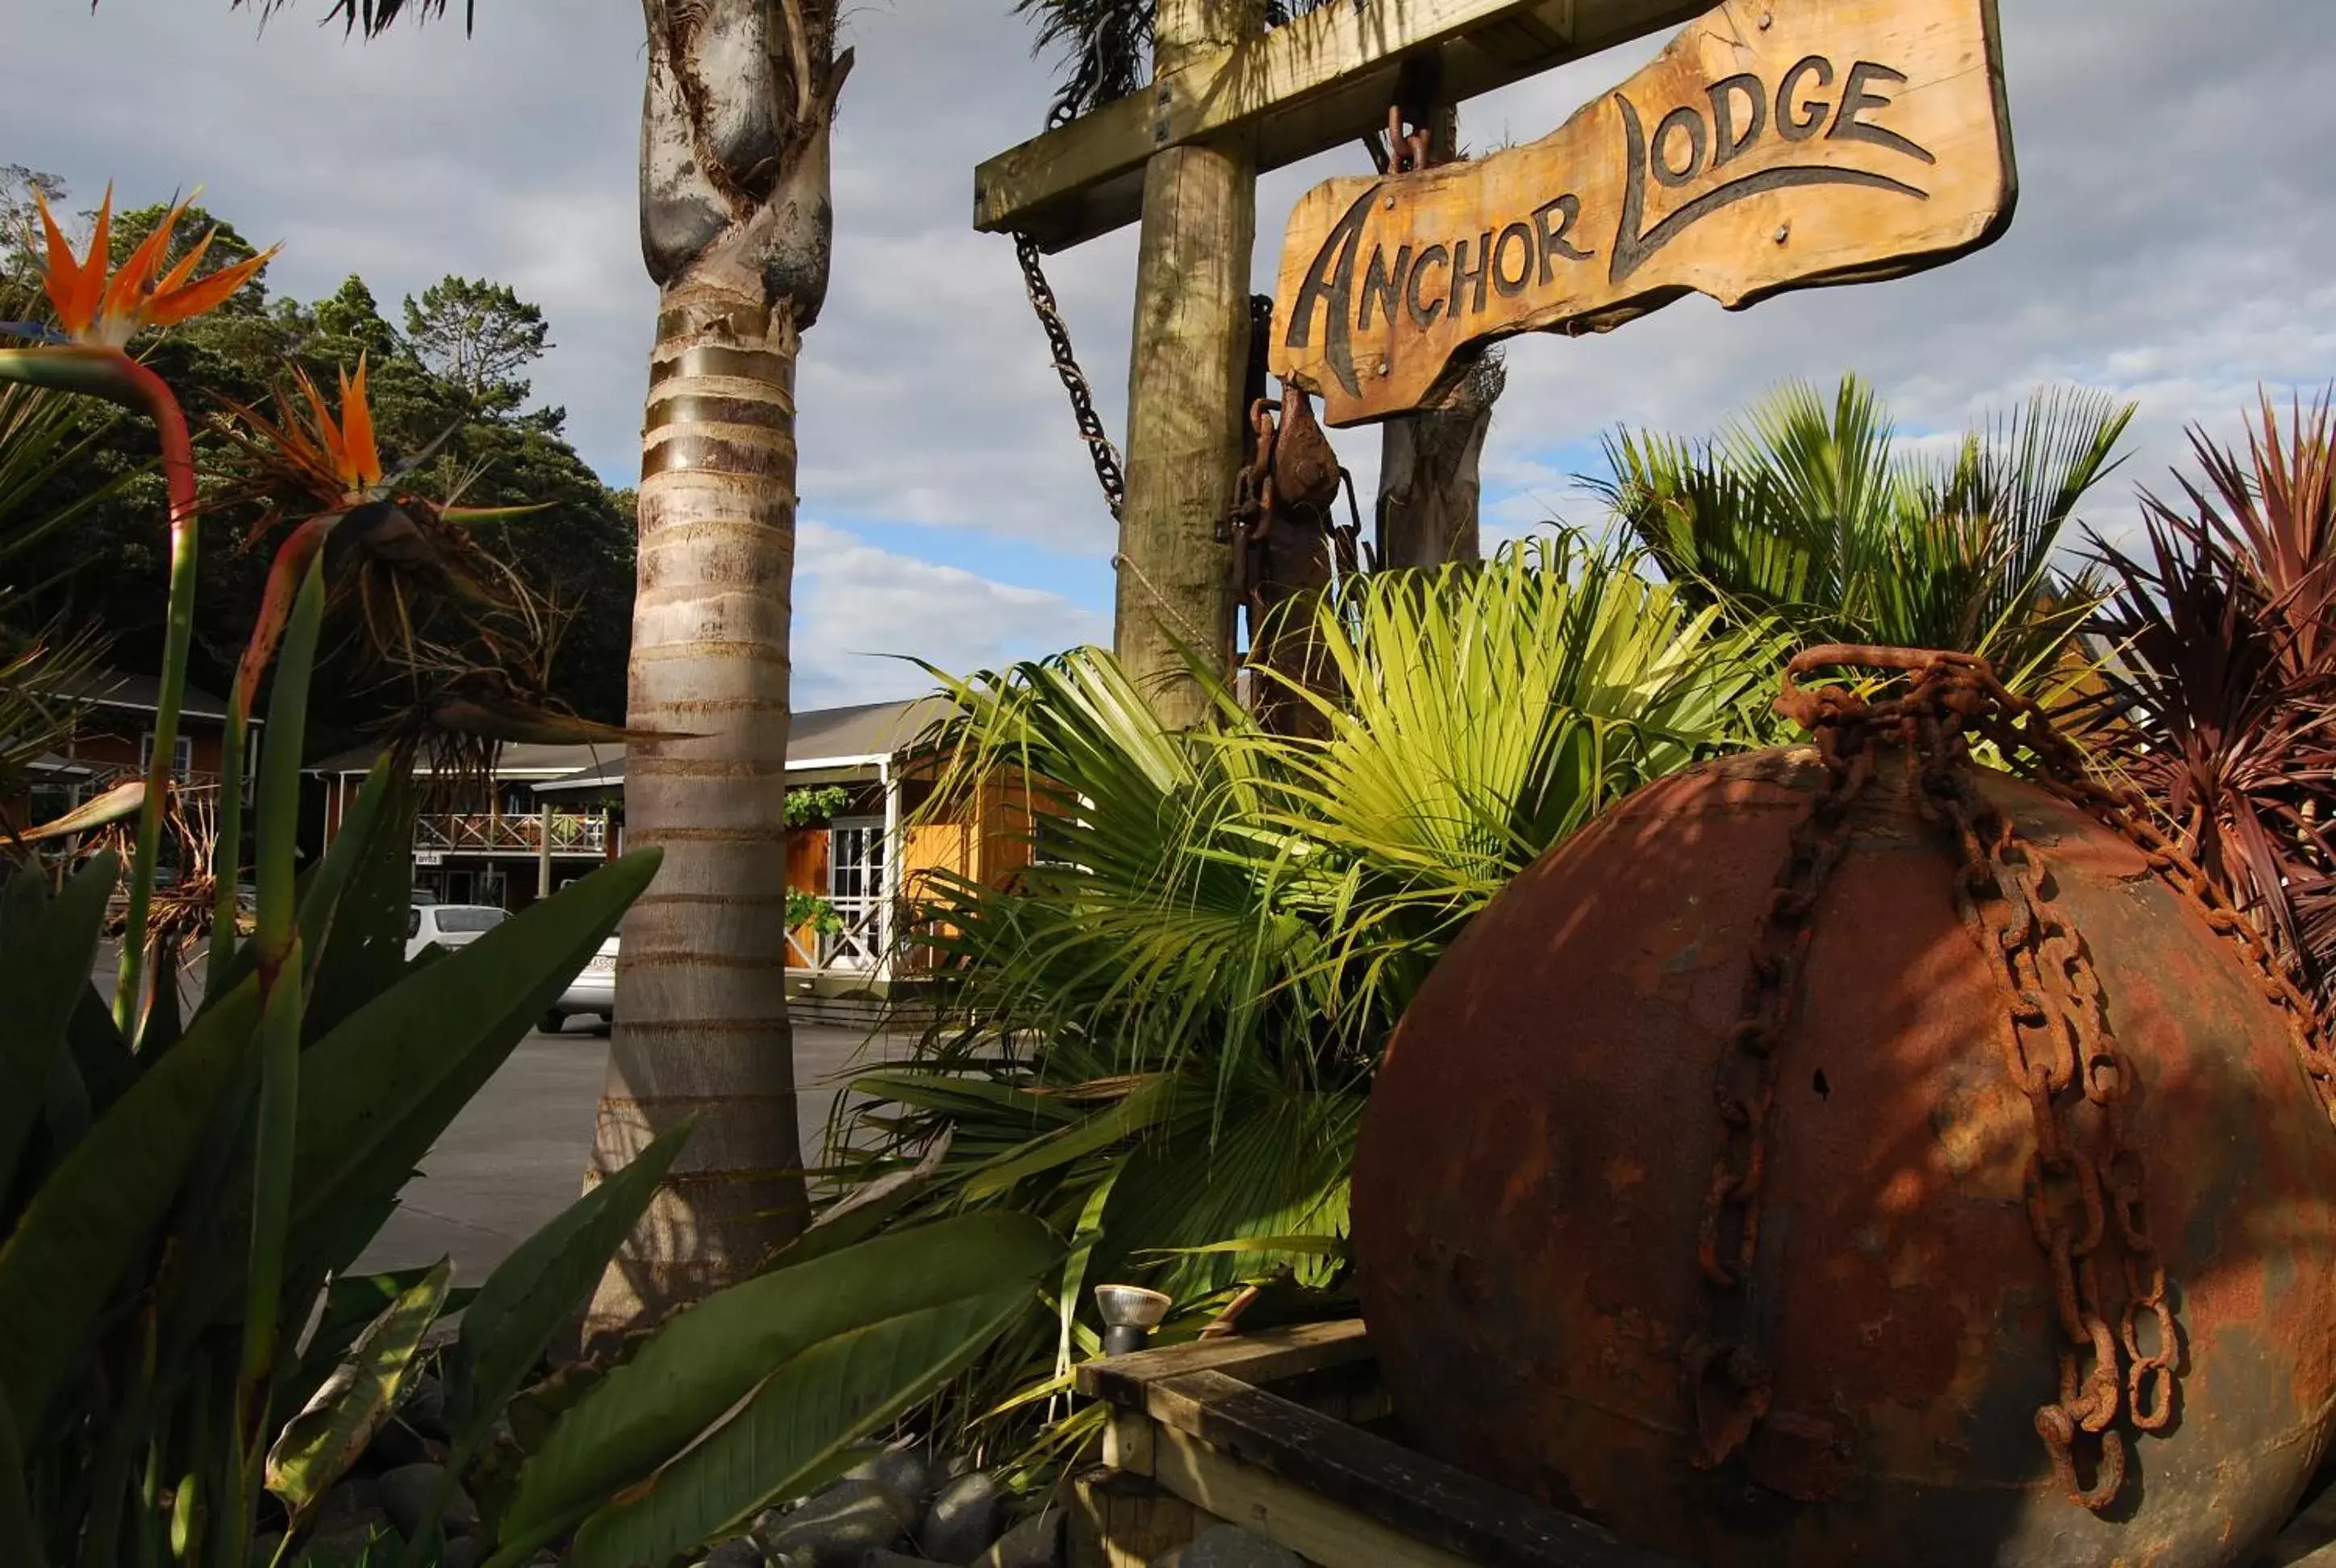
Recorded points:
470,917
182,756
413,924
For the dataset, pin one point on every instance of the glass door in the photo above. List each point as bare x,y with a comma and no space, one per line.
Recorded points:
855,886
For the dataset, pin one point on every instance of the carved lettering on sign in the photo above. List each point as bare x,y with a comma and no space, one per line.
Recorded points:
1775,144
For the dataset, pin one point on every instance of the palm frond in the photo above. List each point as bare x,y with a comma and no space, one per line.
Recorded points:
1158,1036
371,18
1808,508
1106,45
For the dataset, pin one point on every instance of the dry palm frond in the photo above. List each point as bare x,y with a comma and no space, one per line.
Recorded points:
1107,45
459,644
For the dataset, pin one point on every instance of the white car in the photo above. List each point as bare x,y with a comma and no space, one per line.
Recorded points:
448,925
592,991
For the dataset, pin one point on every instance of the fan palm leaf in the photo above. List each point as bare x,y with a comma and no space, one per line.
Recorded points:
1809,509
1158,1036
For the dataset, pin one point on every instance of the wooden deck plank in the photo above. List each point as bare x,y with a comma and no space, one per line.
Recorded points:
1251,1358
1314,1527
1325,1462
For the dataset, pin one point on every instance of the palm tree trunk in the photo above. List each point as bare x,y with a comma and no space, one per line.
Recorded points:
1430,474
735,227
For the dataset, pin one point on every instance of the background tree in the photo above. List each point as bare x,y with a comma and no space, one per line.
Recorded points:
477,336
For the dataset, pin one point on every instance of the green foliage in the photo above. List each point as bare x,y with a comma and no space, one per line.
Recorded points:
1157,1037
784,1371
317,1446
810,911
164,1170
1811,511
2219,697
815,803
176,1197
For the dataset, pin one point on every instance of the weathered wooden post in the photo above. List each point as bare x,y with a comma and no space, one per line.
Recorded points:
1229,99
1184,381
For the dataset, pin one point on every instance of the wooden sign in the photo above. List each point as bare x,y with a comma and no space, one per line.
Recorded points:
1775,144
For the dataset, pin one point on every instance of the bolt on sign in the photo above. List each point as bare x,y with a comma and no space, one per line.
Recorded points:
1775,144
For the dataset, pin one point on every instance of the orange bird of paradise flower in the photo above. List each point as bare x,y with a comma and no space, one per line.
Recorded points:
98,312
106,312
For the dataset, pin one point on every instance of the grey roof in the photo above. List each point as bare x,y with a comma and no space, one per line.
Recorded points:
513,761
119,689
49,762
816,737
870,729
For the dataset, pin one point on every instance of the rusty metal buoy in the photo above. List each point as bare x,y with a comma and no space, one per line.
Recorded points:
1850,1154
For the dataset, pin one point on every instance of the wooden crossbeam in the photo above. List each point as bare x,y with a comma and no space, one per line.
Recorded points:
1320,80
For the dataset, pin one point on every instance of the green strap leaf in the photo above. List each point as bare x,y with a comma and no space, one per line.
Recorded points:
1142,1107
359,921
378,1090
124,800
90,1220
317,1446
362,833
540,1286
696,1370
795,1429
47,949
868,1210
20,1539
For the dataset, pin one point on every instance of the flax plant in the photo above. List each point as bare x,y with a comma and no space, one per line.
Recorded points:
2219,696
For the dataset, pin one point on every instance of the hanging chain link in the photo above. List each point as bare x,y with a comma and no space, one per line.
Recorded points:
2085,1185
1105,456
2060,768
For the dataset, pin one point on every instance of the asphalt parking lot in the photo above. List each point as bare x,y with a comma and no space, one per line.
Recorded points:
516,1155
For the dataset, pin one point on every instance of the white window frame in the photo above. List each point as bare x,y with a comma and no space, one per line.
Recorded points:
858,947
182,756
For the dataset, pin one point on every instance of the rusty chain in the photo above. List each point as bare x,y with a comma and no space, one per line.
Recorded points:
2060,768
1100,450
2085,1185
1726,1365
1105,456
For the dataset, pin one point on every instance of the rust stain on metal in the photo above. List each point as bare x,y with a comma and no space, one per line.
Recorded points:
1908,1325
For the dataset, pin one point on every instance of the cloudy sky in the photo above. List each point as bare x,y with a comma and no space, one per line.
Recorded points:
2173,244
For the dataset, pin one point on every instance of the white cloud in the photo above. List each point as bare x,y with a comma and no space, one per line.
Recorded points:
2173,222
856,604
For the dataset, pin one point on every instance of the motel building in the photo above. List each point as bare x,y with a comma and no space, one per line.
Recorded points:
547,814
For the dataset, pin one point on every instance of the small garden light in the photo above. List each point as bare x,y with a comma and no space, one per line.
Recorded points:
1129,1313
